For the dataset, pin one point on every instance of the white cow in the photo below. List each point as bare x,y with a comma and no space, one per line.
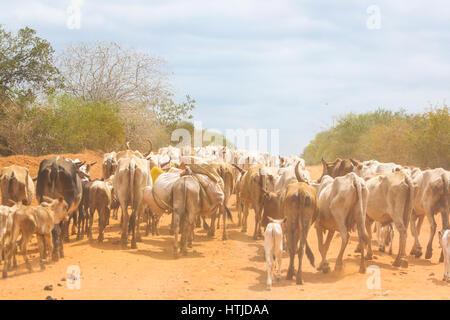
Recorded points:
273,247
390,200
444,239
432,196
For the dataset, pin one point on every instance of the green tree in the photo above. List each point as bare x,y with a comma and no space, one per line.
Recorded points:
26,65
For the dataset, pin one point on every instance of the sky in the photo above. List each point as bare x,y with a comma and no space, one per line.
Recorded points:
294,66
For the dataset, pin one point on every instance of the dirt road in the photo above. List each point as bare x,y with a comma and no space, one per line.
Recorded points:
213,269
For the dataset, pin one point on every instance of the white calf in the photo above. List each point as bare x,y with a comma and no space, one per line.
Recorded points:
444,239
273,247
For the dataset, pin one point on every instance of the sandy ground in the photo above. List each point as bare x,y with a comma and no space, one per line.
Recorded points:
213,269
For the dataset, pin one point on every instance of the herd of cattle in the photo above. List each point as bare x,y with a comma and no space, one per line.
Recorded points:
193,184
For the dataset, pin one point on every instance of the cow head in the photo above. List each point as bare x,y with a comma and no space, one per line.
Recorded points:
266,179
328,167
60,208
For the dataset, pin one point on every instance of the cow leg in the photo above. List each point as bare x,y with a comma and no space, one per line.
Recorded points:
9,251
91,222
369,255
429,252
198,222
149,219
344,241
292,246
258,212
65,229
140,212
48,243
269,265
176,229
363,239
244,218
323,248
224,233
124,225
416,250
55,239
41,248
24,249
218,221
212,227
303,229
133,224
185,233
101,224
75,221
400,259
444,217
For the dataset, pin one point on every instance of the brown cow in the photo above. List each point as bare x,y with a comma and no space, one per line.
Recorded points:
338,168
100,199
299,204
16,185
41,220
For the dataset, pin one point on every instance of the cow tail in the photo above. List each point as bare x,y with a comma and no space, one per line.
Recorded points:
11,186
409,201
360,221
446,183
132,169
309,254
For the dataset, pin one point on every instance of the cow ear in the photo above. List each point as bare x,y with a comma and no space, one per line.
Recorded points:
284,220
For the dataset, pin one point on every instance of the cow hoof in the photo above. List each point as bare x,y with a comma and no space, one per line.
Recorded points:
396,263
5,275
290,274
358,249
338,267
404,263
362,269
428,254
441,258
29,268
381,249
326,269
298,280
138,239
189,245
369,256
42,266
133,245
224,238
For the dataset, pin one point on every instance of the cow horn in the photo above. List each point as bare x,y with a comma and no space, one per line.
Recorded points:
80,164
92,163
242,171
297,174
151,147
128,145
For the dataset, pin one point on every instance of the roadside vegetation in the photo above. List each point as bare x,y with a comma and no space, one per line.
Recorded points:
410,139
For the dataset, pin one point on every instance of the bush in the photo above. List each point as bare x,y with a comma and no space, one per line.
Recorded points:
421,139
